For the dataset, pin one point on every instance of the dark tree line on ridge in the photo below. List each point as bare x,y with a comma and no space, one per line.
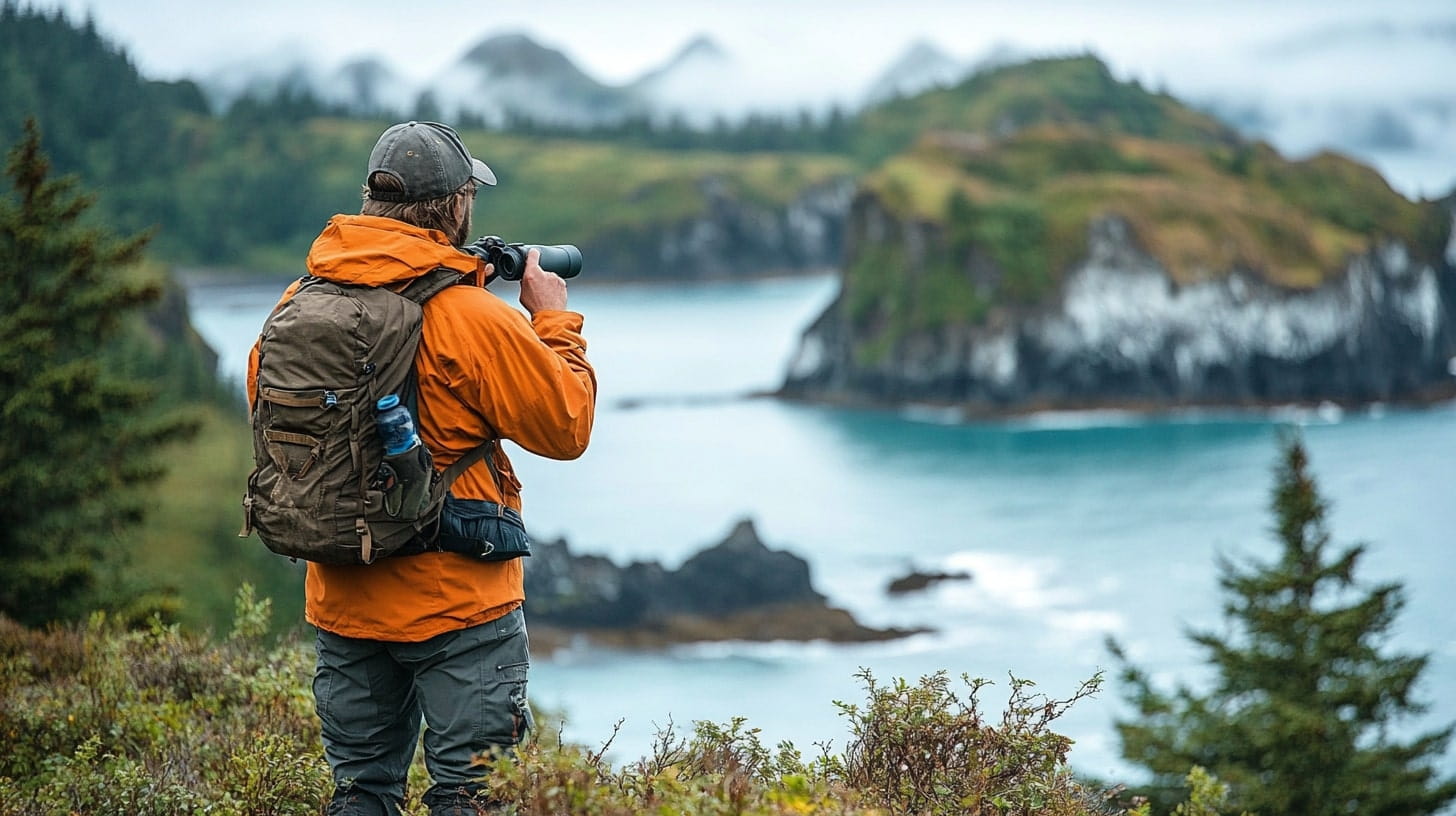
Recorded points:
222,185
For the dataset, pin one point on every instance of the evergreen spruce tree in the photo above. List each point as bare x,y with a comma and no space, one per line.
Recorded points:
77,440
1297,717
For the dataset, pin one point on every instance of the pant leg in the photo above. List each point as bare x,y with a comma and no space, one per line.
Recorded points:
370,713
472,690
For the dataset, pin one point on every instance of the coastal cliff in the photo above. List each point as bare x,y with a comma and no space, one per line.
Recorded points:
731,236
1063,240
1121,332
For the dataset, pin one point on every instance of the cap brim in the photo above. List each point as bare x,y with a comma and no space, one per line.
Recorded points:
481,173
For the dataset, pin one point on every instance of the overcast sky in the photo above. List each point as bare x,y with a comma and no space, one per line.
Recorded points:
832,42
1308,60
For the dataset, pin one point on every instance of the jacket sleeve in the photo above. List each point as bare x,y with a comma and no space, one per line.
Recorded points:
529,380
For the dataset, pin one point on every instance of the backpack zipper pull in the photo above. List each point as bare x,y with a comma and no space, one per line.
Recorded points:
366,541
247,516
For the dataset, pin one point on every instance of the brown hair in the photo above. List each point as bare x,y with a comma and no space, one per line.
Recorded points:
449,214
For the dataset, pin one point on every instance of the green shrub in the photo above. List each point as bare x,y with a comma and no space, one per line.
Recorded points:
100,720
926,749
1207,796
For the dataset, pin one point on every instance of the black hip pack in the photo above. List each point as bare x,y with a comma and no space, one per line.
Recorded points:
482,530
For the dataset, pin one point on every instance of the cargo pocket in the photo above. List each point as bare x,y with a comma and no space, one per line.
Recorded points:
505,717
323,686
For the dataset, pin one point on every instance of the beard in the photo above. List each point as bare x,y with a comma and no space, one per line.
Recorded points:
462,232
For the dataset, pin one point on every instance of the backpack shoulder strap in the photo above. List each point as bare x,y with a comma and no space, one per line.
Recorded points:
450,474
420,290
430,284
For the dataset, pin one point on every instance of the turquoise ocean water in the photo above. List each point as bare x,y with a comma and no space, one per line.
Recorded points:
1075,526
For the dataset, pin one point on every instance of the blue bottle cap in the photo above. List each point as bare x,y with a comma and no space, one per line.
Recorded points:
387,401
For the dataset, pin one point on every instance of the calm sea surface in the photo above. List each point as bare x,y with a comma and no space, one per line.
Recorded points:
1076,527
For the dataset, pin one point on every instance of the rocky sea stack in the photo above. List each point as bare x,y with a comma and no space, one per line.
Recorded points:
738,589
1061,240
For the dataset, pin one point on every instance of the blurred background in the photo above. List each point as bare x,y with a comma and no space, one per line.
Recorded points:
1020,293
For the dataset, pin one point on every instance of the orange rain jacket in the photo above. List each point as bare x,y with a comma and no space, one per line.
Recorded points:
484,371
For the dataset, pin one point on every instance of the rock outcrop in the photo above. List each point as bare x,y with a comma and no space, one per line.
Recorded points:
732,238
738,589
1120,332
915,581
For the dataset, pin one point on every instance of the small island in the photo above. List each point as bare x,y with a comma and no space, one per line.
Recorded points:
738,589
917,580
1057,239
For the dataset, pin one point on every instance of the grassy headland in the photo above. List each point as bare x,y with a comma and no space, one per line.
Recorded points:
1004,173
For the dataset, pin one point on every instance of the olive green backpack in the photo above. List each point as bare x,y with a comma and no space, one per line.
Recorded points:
317,491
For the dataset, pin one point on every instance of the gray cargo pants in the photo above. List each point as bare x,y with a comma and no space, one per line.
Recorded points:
468,685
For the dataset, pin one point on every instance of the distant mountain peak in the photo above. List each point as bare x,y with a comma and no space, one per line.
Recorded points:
513,74
919,67
698,71
700,54
516,53
924,51
512,41
700,47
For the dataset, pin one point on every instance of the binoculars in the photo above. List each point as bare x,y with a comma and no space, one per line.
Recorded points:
510,259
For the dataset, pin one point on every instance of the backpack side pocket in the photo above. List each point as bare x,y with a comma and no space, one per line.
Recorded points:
405,480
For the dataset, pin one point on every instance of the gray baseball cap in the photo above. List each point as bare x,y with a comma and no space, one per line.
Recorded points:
428,158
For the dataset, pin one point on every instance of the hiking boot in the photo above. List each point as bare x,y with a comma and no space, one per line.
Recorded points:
463,801
355,802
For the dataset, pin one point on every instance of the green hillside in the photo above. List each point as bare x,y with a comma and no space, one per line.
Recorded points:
256,197
1013,165
1002,101
251,188
101,118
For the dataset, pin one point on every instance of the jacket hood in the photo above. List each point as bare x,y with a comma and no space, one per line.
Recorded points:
378,251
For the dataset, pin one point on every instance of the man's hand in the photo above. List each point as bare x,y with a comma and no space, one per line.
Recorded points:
541,290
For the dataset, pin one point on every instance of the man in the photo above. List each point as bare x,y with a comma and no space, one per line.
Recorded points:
440,635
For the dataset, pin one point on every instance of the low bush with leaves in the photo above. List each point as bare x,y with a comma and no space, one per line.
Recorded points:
155,722
98,719
927,749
